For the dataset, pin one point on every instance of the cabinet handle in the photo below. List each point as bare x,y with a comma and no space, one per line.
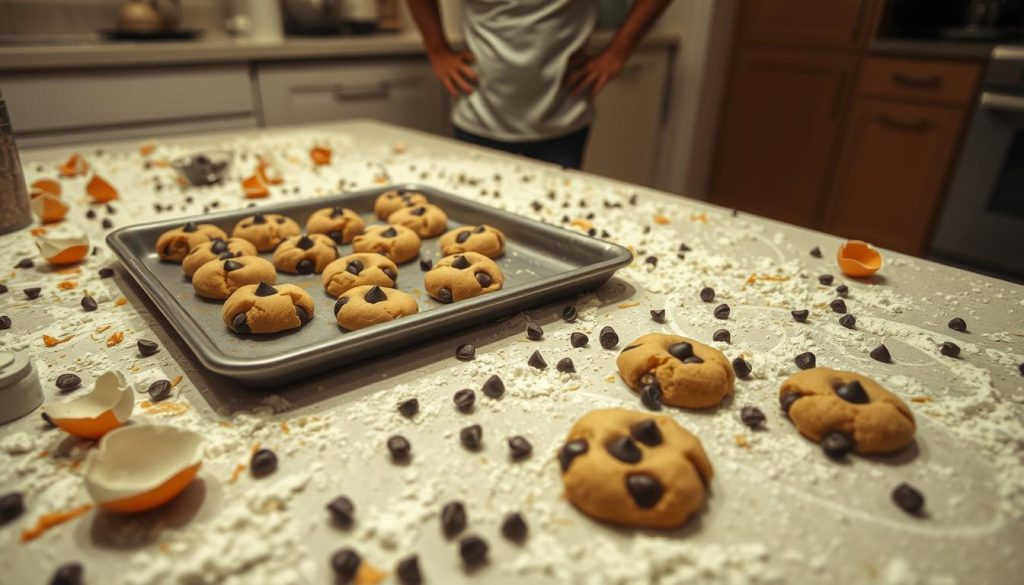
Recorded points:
344,93
1002,102
918,125
840,91
919,81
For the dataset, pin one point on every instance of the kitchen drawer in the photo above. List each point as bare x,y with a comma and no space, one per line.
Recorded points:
103,99
952,82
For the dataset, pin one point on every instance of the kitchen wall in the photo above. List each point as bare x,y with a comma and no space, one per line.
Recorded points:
49,18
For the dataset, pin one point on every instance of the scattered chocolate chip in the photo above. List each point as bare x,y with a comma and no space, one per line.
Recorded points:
159,390
722,311
578,339
534,332
565,365
409,408
513,527
305,266
908,498
570,451
5,322
838,306
444,294
658,315
89,304
848,321
25,263
342,511
801,315
624,449
106,223
816,252
453,518
68,574
263,463
473,550
465,352
345,563
570,313
493,387
722,335
707,294
471,437
826,279
399,447
958,324
836,445
241,323
146,347
464,400
805,361
426,265
3,289
264,290
12,506
33,292
787,399
741,367
68,382
519,447
608,337
652,260
650,396
853,392
460,262
752,416
408,571
375,295
949,349
881,354
91,214
842,290
646,490
106,272
537,361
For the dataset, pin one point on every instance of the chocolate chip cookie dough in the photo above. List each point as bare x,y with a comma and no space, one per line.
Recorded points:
218,279
397,242
174,245
216,250
391,201
426,220
634,468
367,305
483,239
305,254
262,308
463,276
266,231
359,269
683,371
846,408
339,223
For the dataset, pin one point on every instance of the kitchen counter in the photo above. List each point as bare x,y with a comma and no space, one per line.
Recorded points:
779,511
29,58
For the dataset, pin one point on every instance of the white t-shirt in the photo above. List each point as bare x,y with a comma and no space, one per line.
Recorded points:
522,50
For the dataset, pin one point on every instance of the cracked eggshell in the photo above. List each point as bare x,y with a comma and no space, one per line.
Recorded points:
47,207
858,258
97,413
62,251
140,467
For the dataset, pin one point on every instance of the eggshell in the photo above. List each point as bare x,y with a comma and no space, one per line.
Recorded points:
254,187
74,166
50,186
858,258
100,190
62,251
321,155
97,413
140,467
268,171
47,207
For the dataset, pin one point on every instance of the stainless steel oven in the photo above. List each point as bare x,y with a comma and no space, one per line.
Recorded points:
982,222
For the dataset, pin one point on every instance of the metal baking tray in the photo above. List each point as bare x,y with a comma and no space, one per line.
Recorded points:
541,263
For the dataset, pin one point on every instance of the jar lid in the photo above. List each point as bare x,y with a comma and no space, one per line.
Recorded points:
13,367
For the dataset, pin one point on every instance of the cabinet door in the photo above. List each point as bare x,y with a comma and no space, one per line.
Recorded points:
840,23
625,147
779,128
890,179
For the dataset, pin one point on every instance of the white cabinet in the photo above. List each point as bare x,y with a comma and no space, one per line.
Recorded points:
398,91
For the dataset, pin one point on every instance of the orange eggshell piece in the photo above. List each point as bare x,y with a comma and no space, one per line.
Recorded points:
858,258
147,148
100,190
47,207
89,428
157,496
268,174
50,186
255,187
74,166
320,155
69,255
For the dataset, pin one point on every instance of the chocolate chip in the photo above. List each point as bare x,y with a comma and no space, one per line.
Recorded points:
444,294
342,511
25,263
338,237
693,360
426,265
826,279
958,324
33,292
519,447
68,382
453,518
493,387
650,396
838,306
46,419
230,265
624,449
707,294
646,490
399,447
652,260
853,392
570,451
240,323
375,295
304,243
881,354
106,223
461,262
722,335
12,506
465,352
565,365
534,332
681,350
354,267
816,252
908,498
473,550
389,233
264,290
786,400
658,315
513,527
345,563
578,339
341,302
608,337
89,304
304,266
91,214
805,361
949,349
741,367
801,315
537,361
3,288
463,236
419,211
190,227
836,445
280,220
159,390
483,279
68,574
752,416
218,246
409,408
5,322
684,248
106,272
471,437
722,311
337,212
570,313
263,463
848,321
464,400
842,290
408,571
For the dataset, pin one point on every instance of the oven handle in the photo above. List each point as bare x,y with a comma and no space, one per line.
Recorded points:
1002,102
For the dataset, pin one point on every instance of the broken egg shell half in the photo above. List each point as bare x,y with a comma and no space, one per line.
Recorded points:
63,251
97,413
47,207
140,467
858,258
50,186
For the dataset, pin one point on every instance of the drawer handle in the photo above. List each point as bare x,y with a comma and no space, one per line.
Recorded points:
919,81
918,125
343,93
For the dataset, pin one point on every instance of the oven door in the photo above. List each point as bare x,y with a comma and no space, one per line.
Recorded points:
982,222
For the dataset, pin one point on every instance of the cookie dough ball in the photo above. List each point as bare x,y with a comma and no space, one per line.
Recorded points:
262,308
305,254
397,242
266,231
214,250
426,220
339,223
219,279
483,239
634,469
391,201
357,270
687,373
174,245
821,401
463,276
367,305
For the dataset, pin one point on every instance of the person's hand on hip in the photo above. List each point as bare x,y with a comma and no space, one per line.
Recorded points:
454,70
589,75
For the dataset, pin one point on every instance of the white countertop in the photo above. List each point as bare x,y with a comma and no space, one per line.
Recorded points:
779,511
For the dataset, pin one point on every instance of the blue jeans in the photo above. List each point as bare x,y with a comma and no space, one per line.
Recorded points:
566,151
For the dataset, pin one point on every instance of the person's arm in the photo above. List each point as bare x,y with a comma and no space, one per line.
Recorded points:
451,68
593,74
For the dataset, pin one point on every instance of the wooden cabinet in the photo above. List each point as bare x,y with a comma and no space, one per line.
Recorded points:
840,23
779,130
948,82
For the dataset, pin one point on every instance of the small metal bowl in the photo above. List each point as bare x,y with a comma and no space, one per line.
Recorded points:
203,168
